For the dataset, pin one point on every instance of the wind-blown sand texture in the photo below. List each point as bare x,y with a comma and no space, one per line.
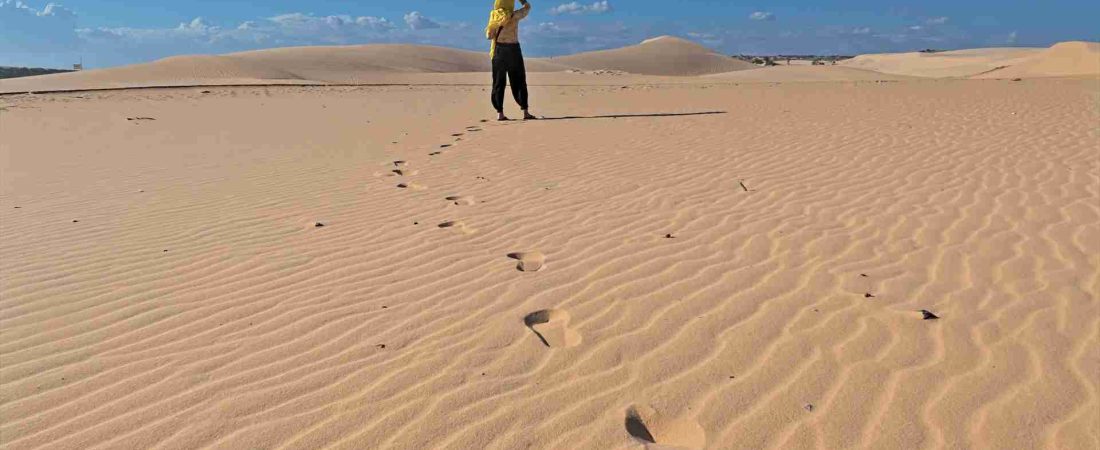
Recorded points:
957,63
1061,60
720,266
1065,59
663,55
376,64
661,60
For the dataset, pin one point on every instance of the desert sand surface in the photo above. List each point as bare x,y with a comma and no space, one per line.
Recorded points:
654,60
661,60
665,55
794,73
1061,60
718,265
1064,59
957,63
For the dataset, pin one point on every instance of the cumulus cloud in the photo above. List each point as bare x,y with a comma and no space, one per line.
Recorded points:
762,16
861,30
916,28
599,7
417,21
937,20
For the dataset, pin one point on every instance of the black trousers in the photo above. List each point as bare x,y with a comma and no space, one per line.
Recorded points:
508,65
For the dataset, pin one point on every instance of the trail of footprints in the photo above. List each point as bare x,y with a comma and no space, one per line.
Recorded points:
552,326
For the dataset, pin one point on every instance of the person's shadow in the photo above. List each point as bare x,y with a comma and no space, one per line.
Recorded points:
624,116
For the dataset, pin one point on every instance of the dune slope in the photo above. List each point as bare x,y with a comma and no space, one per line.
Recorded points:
620,277
664,55
958,63
1063,59
292,65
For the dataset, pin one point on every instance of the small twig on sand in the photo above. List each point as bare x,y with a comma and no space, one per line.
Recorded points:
746,188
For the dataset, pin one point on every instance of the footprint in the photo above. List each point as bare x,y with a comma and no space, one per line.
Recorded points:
405,172
412,186
552,327
652,427
461,200
459,226
529,261
456,134
444,145
401,164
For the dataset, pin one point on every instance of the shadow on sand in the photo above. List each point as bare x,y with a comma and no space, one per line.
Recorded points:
624,116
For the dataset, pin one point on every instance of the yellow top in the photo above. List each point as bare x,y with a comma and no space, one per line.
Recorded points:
503,24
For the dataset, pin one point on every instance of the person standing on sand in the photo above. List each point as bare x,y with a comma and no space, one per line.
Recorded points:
503,31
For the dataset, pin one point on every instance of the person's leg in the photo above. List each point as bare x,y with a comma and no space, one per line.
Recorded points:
517,76
500,74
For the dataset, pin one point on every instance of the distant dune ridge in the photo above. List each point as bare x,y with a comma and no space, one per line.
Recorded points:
1063,59
664,56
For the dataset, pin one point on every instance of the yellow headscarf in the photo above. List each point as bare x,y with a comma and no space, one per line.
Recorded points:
501,14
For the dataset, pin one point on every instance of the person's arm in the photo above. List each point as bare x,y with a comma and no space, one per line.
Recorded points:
521,13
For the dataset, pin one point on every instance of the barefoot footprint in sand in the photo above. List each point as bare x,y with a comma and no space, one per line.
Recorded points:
529,261
458,226
412,186
461,200
552,327
651,427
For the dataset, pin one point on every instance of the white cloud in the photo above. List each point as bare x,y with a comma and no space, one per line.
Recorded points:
417,21
937,20
599,7
916,28
29,36
1011,39
861,30
762,15
547,27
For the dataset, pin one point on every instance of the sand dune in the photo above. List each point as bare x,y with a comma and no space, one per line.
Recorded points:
665,55
1063,59
242,270
372,64
795,73
958,63
346,64
294,65
659,59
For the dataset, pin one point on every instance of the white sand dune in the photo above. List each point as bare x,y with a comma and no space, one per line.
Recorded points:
1062,60
372,64
661,58
958,63
747,259
1065,59
795,73
344,64
635,273
665,55
293,65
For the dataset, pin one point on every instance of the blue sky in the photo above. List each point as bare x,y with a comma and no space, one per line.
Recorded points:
108,33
